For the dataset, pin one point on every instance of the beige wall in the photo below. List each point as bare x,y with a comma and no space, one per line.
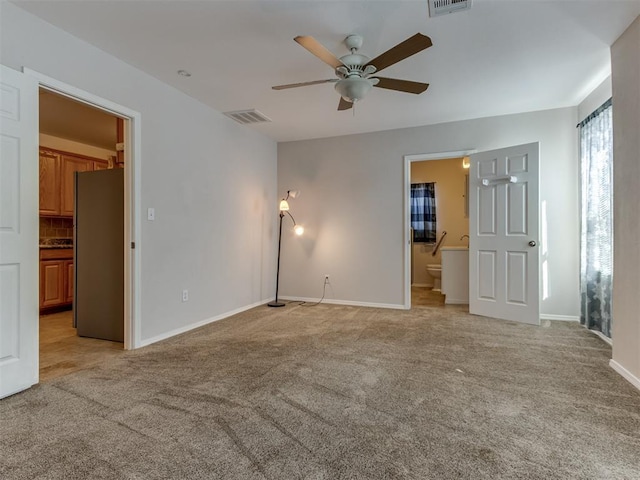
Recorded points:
211,181
353,202
625,63
448,176
595,99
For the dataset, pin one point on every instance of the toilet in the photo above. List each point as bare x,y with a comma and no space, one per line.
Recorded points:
435,270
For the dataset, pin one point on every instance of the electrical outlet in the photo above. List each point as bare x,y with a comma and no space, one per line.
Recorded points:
185,295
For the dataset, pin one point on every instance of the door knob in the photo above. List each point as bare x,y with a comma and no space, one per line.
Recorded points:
532,243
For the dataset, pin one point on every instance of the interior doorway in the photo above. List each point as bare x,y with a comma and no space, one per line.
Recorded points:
75,141
127,152
439,220
445,176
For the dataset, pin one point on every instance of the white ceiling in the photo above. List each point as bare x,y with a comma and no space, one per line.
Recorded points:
502,56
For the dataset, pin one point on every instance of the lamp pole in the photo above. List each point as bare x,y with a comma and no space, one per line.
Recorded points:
284,208
276,303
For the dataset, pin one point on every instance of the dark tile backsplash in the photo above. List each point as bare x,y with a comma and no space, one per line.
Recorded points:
56,227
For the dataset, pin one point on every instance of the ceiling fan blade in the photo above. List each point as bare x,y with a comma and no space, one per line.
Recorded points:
344,105
304,84
403,50
318,50
401,85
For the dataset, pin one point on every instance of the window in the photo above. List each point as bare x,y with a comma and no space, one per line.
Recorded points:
423,212
596,242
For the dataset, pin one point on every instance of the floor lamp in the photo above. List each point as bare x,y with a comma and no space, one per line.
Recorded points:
298,229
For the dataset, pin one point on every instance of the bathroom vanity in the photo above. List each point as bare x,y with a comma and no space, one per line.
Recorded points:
455,275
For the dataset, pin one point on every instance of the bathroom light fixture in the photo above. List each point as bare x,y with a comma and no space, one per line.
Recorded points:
298,229
466,162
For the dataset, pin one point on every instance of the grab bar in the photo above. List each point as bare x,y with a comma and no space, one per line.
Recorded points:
437,247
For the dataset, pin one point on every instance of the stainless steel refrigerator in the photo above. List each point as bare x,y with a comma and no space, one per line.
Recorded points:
98,254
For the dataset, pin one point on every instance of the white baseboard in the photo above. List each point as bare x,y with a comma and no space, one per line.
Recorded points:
602,336
631,378
562,318
345,302
178,331
456,301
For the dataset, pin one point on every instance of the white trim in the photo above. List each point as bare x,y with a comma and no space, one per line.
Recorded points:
394,306
420,157
202,323
456,301
561,318
133,195
408,159
602,337
630,377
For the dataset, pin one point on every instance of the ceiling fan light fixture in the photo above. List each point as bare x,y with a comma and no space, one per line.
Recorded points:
353,89
354,71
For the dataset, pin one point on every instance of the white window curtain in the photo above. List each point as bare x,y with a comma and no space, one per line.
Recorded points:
596,249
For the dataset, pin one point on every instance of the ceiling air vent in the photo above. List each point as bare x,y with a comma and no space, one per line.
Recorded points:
247,117
444,7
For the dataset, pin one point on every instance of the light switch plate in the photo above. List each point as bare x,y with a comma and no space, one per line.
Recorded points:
151,214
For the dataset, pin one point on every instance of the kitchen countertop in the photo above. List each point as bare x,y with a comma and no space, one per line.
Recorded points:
49,243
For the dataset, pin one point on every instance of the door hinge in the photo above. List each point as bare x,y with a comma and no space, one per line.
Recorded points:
133,244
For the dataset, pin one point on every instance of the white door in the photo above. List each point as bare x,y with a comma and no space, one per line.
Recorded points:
18,231
503,228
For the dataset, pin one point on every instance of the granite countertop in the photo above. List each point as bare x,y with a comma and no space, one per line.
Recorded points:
50,243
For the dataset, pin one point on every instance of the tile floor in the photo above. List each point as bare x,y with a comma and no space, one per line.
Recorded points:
425,297
62,351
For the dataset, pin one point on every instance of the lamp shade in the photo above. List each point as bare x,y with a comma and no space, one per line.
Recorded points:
298,229
284,205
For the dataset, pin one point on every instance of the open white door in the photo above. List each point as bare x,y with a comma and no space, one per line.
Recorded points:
503,229
18,231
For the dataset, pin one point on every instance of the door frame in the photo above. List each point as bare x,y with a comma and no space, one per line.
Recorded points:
132,197
408,160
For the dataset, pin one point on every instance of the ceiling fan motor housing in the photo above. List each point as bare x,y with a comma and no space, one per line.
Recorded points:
355,60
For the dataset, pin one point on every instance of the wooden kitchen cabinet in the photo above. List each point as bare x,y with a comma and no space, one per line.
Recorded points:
68,286
99,165
56,277
51,283
70,165
57,170
49,183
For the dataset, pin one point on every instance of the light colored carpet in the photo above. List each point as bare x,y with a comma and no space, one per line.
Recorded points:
336,392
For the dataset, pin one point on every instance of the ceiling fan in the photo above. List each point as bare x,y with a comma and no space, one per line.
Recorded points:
355,71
